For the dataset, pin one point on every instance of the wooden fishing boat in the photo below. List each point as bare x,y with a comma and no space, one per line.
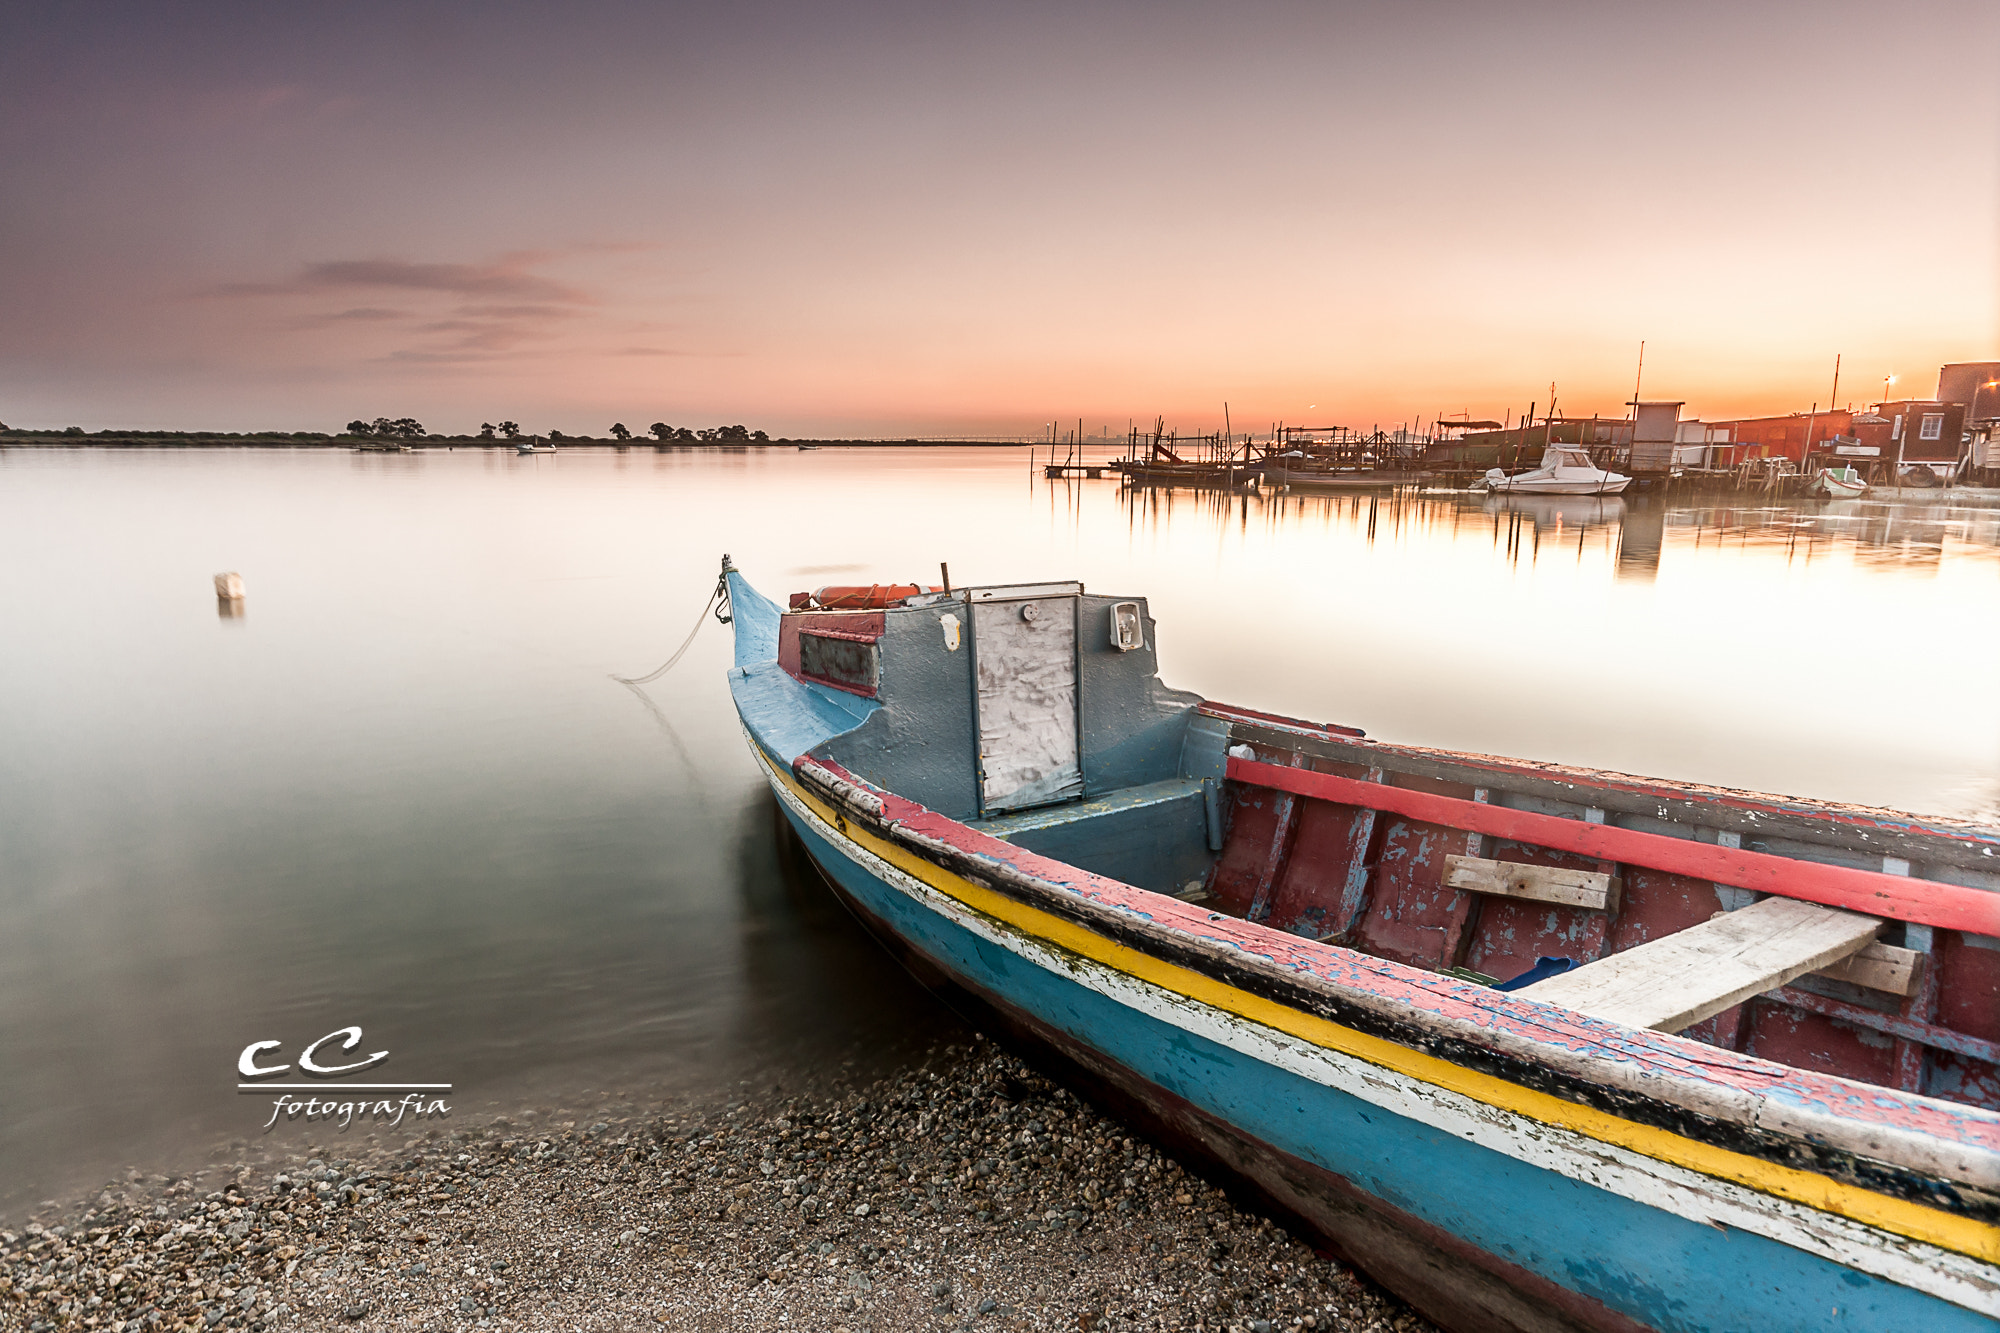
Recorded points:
1339,479
1540,1048
1218,476
1838,483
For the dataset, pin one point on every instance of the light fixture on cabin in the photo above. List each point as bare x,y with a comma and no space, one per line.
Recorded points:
1127,631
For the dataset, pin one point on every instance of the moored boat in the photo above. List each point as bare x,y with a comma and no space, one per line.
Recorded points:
1339,479
1737,1067
1221,476
1565,470
1838,483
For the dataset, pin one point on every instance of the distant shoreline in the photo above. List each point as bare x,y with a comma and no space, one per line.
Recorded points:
282,440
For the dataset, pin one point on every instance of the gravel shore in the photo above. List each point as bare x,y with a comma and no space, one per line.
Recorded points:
963,1192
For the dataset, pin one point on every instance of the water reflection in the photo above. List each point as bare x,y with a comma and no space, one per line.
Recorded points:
1641,532
437,816
801,944
1882,533
1697,627
1634,529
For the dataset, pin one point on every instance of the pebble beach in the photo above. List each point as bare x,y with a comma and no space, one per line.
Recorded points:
962,1190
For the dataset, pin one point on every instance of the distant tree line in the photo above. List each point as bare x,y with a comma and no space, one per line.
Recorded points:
79,432
713,435
382,428
660,430
409,428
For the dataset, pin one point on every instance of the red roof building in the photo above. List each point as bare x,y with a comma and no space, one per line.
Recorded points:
1793,436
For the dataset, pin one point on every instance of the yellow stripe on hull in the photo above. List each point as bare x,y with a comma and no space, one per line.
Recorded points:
1897,1216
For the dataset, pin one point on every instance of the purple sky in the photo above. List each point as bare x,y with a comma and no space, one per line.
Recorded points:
876,218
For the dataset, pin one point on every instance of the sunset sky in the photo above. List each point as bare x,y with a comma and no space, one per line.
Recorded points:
956,219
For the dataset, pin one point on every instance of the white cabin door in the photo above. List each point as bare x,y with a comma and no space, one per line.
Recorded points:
1026,651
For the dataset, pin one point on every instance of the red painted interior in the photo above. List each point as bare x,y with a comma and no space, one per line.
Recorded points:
1449,999
1309,851
1928,902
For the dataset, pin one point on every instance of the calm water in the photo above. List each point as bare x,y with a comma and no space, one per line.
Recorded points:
401,791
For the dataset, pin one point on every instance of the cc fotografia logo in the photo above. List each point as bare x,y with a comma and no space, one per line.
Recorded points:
321,1061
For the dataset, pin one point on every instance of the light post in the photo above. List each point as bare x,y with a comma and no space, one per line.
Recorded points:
1972,419
1896,469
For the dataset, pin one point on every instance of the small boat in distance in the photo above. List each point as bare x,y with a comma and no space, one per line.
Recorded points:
1280,477
1541,1048
534,445
1566,470
1838,483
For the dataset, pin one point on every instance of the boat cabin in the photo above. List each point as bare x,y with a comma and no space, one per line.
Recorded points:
1832,938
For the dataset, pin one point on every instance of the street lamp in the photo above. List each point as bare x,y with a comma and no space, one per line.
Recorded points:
1972,413
1972,417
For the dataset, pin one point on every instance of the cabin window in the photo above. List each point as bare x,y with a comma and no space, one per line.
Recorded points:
844,661
1933,426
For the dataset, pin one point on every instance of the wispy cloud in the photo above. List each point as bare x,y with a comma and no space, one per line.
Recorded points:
495,280
518,311
509,279
484,335
492,308
361,314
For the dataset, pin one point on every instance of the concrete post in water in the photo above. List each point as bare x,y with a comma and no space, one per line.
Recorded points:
229,593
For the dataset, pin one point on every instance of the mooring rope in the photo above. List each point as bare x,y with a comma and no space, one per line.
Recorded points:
721,588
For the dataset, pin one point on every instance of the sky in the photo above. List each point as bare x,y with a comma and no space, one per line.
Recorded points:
961,219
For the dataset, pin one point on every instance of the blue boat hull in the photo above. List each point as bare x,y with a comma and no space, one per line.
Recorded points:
1474,1237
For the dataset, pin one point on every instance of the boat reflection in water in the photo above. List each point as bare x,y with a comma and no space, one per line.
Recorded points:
1558,511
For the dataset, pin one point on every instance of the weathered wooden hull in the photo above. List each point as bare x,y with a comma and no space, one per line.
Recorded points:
1458,1285
1495,1163
1481,1215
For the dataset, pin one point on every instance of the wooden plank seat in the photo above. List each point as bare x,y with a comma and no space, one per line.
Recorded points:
1883,967
1593,890
1669,983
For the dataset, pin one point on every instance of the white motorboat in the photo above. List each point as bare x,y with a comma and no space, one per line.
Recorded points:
1565,470
1838,483
534,447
